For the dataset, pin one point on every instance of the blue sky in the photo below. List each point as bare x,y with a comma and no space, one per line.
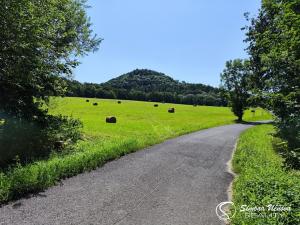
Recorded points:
189,40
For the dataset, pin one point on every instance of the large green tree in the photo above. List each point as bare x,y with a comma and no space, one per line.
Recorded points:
39,43
234,85
274,49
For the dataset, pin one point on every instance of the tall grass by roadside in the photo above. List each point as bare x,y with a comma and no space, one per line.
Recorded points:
40,175
263,182
139,125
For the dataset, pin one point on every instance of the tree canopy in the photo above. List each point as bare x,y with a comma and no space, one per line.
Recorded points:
234,83
274,48
40,41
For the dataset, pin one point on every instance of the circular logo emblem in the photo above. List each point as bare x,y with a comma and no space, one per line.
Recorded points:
222,211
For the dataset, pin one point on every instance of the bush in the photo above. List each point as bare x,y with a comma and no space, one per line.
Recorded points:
289,131
27,140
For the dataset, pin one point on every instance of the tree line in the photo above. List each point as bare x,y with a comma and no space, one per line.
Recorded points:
148,85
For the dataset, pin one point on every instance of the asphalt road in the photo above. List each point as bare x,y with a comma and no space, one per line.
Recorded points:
178,182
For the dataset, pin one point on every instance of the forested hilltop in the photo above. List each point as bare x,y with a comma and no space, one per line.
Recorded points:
148,85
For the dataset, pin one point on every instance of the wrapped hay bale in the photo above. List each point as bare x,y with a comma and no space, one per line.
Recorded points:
95,104
155,105
87,100
119,102
111,119
171,110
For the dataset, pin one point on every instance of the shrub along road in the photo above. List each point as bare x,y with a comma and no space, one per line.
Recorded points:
177,182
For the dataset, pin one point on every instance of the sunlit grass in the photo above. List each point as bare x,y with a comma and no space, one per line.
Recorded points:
262,180
142,121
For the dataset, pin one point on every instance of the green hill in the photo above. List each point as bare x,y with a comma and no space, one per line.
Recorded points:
151,81
148,85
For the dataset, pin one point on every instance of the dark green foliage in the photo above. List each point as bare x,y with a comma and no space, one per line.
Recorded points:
29,140
274,40
148,85
234,84
39,40
145,81
274,47
289,130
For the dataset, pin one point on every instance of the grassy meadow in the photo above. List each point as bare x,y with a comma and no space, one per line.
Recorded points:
139,124
263,180
141,121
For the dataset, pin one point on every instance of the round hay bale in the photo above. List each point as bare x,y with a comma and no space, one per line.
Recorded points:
87,100
119,102
171,110
253,111
111,119
95,103
155,105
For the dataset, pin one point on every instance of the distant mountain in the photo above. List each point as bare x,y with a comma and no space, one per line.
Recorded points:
148,85
151,81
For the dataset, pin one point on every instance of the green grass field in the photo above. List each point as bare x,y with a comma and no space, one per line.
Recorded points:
141,121
139,125
262,180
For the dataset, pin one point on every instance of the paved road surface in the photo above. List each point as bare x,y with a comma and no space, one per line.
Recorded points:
178,182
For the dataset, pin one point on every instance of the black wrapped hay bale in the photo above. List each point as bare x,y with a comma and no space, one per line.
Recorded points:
111,119
155,105
95,104
87,100
119,102
171,110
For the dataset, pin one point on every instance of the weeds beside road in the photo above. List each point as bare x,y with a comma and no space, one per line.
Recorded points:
263,184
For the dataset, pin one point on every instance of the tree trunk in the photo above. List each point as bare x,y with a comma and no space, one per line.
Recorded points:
240,118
